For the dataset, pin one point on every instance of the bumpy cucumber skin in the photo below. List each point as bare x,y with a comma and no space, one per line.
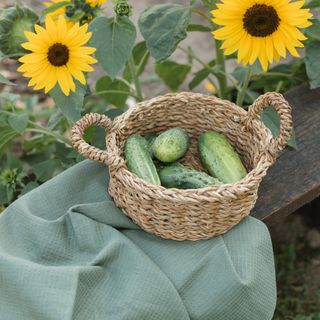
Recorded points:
219,158
150,137
139,161
171,145
180,177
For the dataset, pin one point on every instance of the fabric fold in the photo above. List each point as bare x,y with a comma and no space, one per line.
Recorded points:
67,252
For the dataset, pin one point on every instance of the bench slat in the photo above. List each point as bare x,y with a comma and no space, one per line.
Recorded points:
294,180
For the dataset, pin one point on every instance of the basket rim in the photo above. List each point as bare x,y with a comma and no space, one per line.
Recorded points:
250,181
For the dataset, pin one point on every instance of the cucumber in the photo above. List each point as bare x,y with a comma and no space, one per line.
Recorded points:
138,159
219,157
171,145
178,176
150,137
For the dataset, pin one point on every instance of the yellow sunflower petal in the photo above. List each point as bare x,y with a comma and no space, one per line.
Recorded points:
58,55
260,29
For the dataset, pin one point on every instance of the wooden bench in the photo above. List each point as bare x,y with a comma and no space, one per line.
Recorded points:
294,180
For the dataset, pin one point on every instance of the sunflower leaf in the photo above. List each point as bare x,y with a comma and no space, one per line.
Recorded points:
271,119
163,26
7,134
46,169
140,56
200,75
312,59
172,73
198,27
312,4
114,39
71,105
119,98
55,7
314,30
18,122
4,80
209,3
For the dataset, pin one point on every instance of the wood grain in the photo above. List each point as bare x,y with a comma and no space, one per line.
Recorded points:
295,178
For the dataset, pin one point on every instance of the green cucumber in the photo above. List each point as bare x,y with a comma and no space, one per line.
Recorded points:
150,137
178,176
219,158
171,145
138,159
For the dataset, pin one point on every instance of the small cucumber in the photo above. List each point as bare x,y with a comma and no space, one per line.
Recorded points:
150,137
171,145
138,159
219,157
178,176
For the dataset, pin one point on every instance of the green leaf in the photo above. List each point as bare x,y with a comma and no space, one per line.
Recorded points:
12,97
71,105
28,187
55,7
5,194
140,55
314,30
201,75
18,122
6,81
117,99
271,119
198,27
55,119
114,39
209,3
113,113
172,73
256,68
312,59
7,135
163,26
46,169
312,4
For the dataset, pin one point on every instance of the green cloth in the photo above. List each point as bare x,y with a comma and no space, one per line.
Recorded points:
67,252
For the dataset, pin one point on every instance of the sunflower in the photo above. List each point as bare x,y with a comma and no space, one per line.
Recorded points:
260,29
95,3
58,12
58,55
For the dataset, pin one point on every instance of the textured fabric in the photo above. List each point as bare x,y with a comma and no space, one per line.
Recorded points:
67,252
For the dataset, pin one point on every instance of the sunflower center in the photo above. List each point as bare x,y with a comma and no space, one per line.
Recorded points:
261,20
58,55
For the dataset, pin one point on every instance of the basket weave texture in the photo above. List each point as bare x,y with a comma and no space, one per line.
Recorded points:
198,213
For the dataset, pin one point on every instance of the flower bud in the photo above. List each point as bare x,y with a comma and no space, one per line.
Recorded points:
123,8
14,21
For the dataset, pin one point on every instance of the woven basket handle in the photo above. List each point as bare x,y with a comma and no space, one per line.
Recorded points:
84,148
278,102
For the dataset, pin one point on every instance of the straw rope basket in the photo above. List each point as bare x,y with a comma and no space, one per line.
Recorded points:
188,214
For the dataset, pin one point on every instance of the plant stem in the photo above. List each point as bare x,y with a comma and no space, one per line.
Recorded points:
116,92
279,86
135,78
59,137
40,129
202,14
221,76
244,88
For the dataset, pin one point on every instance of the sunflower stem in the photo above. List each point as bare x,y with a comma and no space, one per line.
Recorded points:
202,14
242,92
135,78
221,76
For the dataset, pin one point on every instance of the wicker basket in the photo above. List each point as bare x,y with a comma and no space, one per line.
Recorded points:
188,214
